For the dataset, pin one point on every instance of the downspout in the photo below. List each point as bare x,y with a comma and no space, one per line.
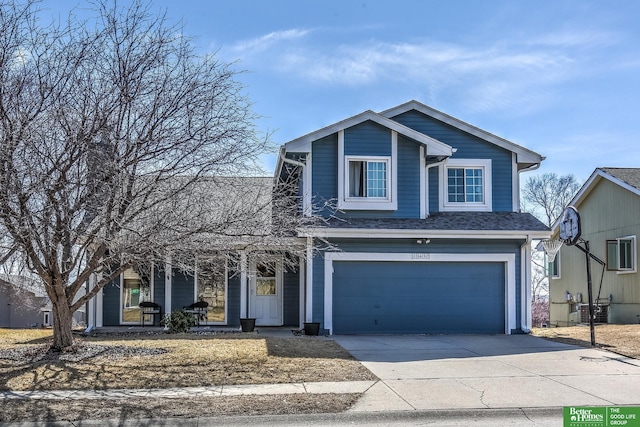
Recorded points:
525,291
306,300
525,267
429,166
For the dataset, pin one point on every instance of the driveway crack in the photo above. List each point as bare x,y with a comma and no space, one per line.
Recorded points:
481,391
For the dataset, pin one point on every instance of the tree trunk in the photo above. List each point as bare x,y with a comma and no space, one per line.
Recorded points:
62,324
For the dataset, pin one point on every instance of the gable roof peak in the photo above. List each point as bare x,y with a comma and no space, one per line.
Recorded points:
524,155
627,178
436,147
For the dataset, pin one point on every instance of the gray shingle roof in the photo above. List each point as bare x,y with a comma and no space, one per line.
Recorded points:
629,175
471,221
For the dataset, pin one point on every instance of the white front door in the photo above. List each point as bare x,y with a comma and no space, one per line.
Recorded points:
265,292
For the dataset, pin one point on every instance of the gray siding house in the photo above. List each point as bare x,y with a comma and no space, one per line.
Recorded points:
21,303
609,208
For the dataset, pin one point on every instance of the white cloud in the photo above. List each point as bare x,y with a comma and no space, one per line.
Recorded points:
262,43
505,75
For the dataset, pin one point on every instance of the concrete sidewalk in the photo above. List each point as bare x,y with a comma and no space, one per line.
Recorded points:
186,392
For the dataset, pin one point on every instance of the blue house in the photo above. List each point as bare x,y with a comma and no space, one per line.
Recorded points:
421,234
428,236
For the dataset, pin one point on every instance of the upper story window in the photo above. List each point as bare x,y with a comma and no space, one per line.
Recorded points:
367,182
621,254
368,178
465,185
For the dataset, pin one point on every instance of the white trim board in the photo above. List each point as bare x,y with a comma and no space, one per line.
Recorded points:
508,259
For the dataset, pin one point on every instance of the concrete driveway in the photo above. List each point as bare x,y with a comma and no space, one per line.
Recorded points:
420,372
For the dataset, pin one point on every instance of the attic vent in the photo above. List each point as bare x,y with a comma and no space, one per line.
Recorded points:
602,313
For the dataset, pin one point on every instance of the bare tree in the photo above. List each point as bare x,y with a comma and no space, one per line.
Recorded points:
546,195
111,131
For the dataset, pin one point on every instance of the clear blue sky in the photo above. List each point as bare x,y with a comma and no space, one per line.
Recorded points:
560,77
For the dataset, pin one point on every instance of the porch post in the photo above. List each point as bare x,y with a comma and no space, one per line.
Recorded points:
309,282
302,279
168,271
90,306
98,304
243,284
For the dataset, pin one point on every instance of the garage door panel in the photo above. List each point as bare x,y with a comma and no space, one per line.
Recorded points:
418,297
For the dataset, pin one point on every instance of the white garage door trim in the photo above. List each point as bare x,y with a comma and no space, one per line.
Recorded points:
508,259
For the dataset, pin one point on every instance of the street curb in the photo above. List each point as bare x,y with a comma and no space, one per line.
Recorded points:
439,415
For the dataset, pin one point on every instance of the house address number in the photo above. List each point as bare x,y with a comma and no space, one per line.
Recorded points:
420,256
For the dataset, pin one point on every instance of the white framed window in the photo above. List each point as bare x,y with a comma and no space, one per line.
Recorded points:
136,286
621,254
211,286
465,184
552,269
367,182
367,178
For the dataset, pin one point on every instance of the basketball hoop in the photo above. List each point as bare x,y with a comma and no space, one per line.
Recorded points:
551,248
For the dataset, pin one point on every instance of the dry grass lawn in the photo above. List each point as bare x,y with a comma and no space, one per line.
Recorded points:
160,361
621,339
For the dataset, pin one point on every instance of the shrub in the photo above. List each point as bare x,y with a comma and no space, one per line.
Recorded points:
178,321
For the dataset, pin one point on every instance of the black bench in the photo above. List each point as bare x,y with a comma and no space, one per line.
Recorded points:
199,310
148,308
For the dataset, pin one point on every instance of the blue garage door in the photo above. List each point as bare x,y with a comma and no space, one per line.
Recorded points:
418,297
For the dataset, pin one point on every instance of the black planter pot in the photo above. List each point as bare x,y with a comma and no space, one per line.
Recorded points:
312,328
248,324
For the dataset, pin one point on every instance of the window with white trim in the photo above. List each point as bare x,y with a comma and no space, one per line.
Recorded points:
368,178
552,268
466,185
621,254
211,287
367,183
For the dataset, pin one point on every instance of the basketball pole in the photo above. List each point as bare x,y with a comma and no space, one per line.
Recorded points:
589,256
592,326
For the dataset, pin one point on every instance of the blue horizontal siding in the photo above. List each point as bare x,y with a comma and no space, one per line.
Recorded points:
233,300
159,286
182,289
367,139
111,303
325,171
468,147
291,298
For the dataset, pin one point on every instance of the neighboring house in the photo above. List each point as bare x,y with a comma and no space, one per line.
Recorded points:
609,208
21,302
427,237
24,304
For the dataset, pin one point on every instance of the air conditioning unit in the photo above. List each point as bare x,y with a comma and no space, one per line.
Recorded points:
601,313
